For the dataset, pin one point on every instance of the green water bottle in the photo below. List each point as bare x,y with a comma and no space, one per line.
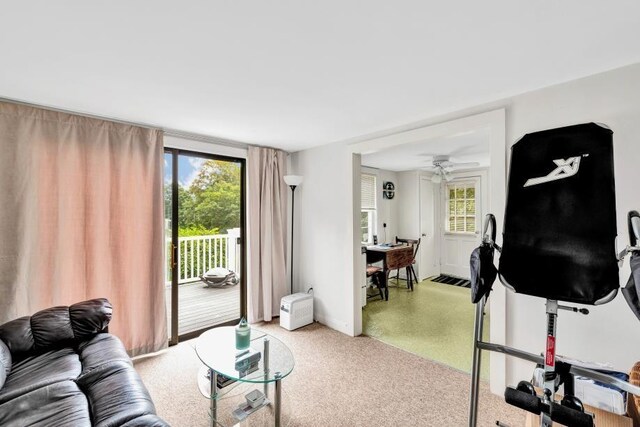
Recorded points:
243,334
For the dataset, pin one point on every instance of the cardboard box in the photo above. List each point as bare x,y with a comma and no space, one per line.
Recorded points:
602,419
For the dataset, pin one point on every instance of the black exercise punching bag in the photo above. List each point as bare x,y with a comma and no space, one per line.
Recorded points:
560,218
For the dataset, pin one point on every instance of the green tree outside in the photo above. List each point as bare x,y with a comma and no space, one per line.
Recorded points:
211,204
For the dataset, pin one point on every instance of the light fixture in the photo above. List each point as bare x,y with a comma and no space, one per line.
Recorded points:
441,173
292,181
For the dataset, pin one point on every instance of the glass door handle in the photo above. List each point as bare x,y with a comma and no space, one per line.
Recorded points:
174,249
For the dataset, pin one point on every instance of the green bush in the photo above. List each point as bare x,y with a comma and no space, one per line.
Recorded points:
197,230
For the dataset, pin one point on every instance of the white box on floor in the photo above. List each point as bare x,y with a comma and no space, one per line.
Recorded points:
591,394
600,397
296,311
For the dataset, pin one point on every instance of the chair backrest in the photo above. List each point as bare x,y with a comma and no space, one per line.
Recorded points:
415,244
399,257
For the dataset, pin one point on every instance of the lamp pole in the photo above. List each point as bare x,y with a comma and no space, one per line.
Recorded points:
293,207
292,181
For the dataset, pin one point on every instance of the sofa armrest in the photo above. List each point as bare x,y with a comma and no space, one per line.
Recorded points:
5,363
146,421
56,327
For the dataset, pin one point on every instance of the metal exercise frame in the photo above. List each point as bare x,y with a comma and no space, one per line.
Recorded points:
548,361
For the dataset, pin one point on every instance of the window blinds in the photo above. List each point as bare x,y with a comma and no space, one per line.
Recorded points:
368,191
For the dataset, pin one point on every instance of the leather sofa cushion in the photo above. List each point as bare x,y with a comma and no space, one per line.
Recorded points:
39,371
146,421
116,394
5,363
90,317
51,328
16,334
56,327
59,404
101,349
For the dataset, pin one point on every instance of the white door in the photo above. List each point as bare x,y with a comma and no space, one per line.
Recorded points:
460,225
428,259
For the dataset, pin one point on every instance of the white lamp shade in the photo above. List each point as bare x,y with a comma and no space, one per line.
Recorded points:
294,180
436,179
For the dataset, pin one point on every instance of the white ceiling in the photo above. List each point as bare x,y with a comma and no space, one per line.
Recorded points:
299,73
462,148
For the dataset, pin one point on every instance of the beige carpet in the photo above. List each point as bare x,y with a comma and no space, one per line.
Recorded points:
337,381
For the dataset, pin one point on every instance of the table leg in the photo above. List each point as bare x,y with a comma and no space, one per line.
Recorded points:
265,353
213,383
386,284
278,399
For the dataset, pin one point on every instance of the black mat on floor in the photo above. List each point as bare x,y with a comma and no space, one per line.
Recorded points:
450,280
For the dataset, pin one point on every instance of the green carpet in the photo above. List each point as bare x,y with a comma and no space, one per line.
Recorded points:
434,321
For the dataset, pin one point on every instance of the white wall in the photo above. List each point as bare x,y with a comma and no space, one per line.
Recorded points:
610,333
408,195
324,232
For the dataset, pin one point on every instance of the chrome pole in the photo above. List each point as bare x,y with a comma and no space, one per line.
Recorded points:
213,397
549,362
278,399
266,366
475,371
293,206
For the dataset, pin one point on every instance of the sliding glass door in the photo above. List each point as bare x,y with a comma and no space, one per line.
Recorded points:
204,227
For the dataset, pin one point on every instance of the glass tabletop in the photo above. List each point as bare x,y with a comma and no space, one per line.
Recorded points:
216,348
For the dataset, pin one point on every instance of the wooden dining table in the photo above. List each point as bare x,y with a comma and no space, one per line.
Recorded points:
393,258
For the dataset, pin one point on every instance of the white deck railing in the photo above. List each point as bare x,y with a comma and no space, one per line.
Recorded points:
198,254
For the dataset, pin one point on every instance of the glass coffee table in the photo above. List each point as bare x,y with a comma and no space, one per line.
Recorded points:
262,367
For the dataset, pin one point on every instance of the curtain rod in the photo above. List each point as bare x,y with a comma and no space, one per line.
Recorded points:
169,132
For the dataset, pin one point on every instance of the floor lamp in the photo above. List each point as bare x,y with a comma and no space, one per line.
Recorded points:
292,181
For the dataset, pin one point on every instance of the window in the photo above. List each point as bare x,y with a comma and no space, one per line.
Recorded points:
368,207
461,207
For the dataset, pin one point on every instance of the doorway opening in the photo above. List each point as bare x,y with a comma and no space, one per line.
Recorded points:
438,200
205,278
419,210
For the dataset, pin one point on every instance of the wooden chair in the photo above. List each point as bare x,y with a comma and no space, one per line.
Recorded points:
410,271
377,278
398,258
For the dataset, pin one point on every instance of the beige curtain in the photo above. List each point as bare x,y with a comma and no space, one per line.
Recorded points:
267,232
81,216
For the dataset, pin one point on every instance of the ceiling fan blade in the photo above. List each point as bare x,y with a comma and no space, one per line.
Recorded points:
464,165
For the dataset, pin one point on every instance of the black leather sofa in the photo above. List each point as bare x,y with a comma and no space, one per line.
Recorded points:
60,367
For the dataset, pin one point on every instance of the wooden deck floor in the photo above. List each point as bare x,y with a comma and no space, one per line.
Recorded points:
201,307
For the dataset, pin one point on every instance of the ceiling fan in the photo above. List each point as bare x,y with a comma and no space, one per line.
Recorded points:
442,167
